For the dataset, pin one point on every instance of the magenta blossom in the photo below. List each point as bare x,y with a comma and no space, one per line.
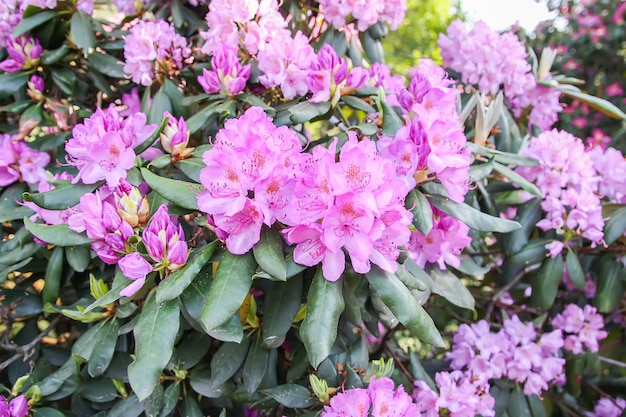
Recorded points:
227,75
18,161
17,407
24,53
165,241
134,267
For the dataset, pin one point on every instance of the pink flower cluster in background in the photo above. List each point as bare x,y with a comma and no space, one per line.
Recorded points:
582,328
366,13
24,53
491,62
516,352
569,183
153,47
18,162
256,174
459,396
381,398
102,147
608,407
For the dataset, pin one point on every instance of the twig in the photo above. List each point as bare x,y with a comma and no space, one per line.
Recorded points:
612,361
620,248
398,362
26,351
502,290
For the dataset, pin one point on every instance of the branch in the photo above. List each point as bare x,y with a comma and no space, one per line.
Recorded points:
24,352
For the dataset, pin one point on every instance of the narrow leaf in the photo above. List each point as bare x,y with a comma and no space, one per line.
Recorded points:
180,193
54,273
155,334
281,306
255,366
422,212
104,347
399,300
517,179
60,235
233,280
268,252
33,21
81,31
574,269
319,328
546,282
61,197
227,360
473,218
291,395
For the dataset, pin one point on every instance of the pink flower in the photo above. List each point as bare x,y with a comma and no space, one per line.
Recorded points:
134,267
19,161
310,250
165,241
227,75
24,53
608,407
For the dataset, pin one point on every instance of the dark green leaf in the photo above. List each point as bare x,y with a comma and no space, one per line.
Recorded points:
191,167
46,412
98,390
180,193
451,288
153,404
319,328
473,218
59,234
392,122
61,197
54,56
24,303
64,78
281,306
78,257
66,374
54,273
155,333
11,82
256,101
479,171
161,103
127,407
533,252
574,269
517,179
518,406
191,407
228,359
610,285
603,106
233,280
528,214
201,382
229,331
546,282
268,252
102,353
178,281
85,344
81,31
15,255
417,203
33,21
615,227
291,395
170,399
373,47
255,366
418,371
152,138
113,294
307,111
358,103
399,300
106,64
199,119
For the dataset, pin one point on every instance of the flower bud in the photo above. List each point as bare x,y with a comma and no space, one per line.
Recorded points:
18,407
131,205
175,138
35,88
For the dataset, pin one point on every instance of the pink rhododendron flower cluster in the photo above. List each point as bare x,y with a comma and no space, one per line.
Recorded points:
569,183
381,399
10,15
435,128
443,244
582,327
256,174
516,352
492,62
127,7
18,161
24,53
227,75
459,396
610,165
152,47
102,147
17,407
608,407
366,13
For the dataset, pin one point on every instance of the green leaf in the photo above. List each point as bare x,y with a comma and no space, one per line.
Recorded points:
615,227
170,399
24,304
178,281
528,214
392,122
106,64
233,280
62,197
59,235
574,269
268,252
98,390
255,366
307,111
473,218
422,212
291,395
154,403
358,103
191,167
64,78
54,56
546,282
33,21
190,407
179,192
451,288
603,106
127,407
79,257
155,334
112,295
11,82
399,300
319,328
517,179
161,103
102,354
46,412
198,120
229,331
81,31
518,406
610,284
54,274
281,306
66,374
256,101
227,360
479,171
373,47
506,158
85,344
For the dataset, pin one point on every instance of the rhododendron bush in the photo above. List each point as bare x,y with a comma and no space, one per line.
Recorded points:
235,208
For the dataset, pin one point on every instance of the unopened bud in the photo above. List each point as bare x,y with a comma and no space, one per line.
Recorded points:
175,138
132,206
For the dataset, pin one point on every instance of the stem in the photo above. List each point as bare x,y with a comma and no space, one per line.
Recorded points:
399,363
502,290
26,351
